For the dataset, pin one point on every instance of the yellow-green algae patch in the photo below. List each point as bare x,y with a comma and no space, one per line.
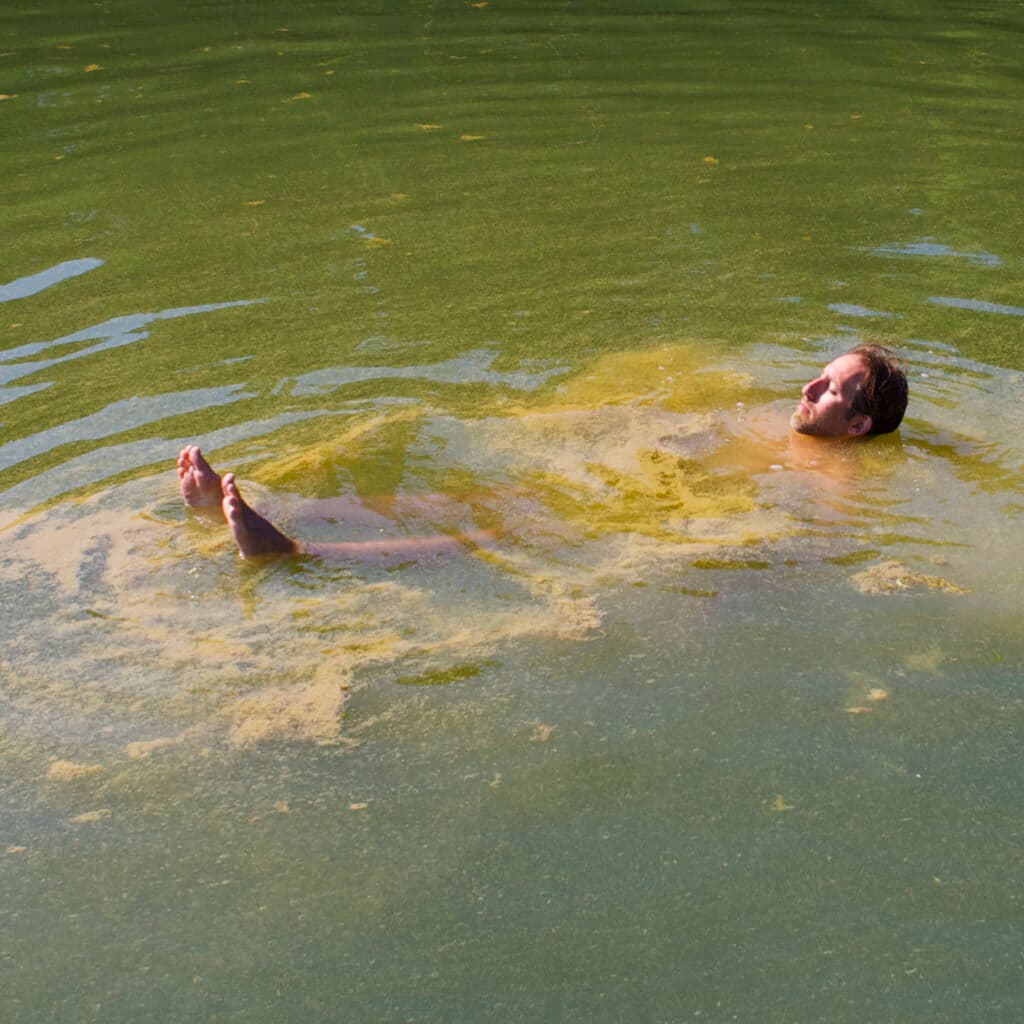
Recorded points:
303,711
360,456
893,577
71,771
142,750
673,375
91,817
627,468
193,646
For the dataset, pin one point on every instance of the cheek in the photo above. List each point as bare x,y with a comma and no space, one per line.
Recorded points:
833,407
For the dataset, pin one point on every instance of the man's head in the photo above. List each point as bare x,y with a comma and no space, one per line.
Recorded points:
861,392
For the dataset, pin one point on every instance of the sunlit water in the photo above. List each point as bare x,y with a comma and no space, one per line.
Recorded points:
721,725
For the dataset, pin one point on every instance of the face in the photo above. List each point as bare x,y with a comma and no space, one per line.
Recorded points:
826,409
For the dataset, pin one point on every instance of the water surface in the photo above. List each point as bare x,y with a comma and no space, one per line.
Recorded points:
723,726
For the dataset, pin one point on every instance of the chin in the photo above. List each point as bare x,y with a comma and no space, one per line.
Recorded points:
810,429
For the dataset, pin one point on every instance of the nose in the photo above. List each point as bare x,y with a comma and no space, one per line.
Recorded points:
812,389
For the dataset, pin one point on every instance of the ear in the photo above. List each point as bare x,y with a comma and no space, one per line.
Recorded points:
859,425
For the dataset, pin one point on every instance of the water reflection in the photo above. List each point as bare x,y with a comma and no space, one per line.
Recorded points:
930,248
976,305
116,418
849,309
113,333
32,284
474,367
58,476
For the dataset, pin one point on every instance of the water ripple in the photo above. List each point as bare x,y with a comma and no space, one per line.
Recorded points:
472,368
929,247
977,305
116,418
113,333
846,309
23,287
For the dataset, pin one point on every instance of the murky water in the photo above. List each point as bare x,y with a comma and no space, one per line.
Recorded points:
721,725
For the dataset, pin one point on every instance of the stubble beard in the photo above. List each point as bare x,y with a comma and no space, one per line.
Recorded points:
801,424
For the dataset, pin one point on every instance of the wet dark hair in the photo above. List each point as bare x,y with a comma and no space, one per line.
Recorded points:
883,393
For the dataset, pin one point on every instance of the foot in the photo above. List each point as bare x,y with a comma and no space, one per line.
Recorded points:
200,485
254,535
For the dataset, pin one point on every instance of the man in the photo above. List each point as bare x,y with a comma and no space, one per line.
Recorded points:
860,393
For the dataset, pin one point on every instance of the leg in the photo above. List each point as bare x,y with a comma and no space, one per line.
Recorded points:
400,549
257,536
200,485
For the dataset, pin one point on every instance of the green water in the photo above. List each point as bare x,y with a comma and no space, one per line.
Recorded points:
666,749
